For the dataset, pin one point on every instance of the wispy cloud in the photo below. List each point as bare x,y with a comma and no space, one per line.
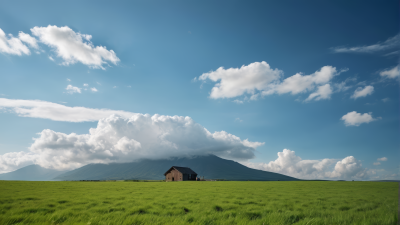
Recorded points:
57,112
379,160
31,41
385,99
74,47
72,89
391,73
382,159
323,92
362,92
238,120
12,45
70,46
391,43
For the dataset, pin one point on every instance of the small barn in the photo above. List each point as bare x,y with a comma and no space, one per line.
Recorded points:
177,173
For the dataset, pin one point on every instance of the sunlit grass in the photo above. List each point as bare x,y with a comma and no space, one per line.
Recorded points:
297,202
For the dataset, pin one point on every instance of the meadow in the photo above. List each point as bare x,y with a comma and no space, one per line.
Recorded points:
221,202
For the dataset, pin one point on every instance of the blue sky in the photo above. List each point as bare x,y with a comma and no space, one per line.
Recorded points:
166,59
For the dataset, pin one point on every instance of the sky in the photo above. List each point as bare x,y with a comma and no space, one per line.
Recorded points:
308,89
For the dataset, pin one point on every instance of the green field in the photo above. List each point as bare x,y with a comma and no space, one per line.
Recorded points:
224,202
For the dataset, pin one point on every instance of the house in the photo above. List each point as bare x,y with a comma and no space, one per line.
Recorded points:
177,173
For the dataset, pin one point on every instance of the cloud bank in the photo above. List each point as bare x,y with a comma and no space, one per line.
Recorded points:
118,139
57,112
290,164
259,79
356,119
68,45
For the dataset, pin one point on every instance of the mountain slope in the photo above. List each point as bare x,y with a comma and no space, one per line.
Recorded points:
31,173
211,167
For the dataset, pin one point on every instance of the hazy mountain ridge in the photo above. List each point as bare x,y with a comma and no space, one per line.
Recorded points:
31,173
211,167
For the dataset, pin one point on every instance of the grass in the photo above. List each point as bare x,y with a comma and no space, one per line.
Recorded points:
298,202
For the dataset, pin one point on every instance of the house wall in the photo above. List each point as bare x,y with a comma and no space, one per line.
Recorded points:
174,174
186,177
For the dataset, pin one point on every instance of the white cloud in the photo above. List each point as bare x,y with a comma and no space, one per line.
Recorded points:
14,160
342,86
290,164
72,89
234,82
238,120
356,119
93,89
51,58
394,53
390,43
72,48
31,41
349,168
258,78
362,92
117,139
382,159
57,112
68,79
391,73
377,163
238,101
12,45
299,83
85,85
385,99
323,92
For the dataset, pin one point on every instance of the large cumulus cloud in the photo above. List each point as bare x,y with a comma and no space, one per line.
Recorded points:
119,139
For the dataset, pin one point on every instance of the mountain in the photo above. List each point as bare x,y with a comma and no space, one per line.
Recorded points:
211,167
31,173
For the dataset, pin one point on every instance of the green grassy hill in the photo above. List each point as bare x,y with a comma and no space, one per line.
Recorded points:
211,167
194,202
